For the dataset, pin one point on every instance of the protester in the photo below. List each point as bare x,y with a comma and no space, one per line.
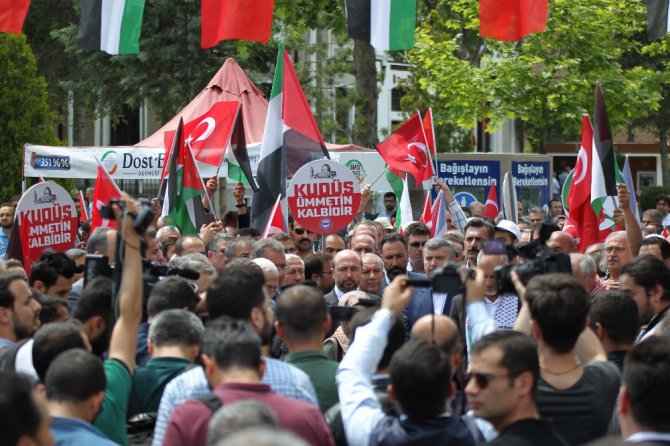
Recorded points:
303,239
270,277
615,321
319,270
274,252
476,231
416,234
363,244
295,270
372,274
217,250
347,268
334,244
6,223
24,418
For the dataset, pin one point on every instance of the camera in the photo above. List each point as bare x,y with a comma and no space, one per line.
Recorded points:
142,220
541,261
445,280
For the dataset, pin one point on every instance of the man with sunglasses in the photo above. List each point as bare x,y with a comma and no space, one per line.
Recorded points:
501,384
303,239
417,234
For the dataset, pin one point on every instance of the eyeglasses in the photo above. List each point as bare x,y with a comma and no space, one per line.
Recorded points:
417,244
301,231
611,249
483,379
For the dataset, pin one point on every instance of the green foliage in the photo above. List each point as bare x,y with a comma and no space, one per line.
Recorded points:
24,112
648,195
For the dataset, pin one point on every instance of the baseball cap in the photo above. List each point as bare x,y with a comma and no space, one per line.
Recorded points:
509,226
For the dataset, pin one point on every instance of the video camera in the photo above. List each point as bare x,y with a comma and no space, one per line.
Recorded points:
142,220
445,280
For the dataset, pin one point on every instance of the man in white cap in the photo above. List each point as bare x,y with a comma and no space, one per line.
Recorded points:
509,231
386,224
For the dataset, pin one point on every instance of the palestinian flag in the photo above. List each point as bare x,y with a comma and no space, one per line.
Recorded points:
276,223
12,15
658,24
387,24
291,139
112,26
183,188
439,226
239,166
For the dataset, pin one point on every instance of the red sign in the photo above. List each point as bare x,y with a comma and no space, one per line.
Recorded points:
47,218
324,196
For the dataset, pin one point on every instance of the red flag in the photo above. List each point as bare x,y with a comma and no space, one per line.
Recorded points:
276,222
235,19
12,15
582,217
429,131
510,20
491,209
105,191
427,214
83,214
407,150
208,135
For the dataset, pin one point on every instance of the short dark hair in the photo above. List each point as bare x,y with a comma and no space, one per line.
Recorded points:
393,237
21,417
179,244
247,232
53,339
417,229
617,313
662,244
314,264
236,291
300,311
559,305
6,296
519,352
649,271
420,373
389,195
396,336
75,375
44,273
476,222
662,197
646,375
173,292
50,306
95,300
553,200
176,327
232,343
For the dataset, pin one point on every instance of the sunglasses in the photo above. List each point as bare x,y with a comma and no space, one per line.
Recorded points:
484,379
301,231
417,244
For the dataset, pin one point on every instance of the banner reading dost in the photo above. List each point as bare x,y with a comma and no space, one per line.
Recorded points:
324,196
47,218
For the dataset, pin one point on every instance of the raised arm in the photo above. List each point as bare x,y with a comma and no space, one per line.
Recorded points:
633,230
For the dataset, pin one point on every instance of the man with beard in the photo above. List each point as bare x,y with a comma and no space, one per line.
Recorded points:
390,207
6,221
237,293
347,272
617,252
19,311
647,280
319,270
303,239
476,231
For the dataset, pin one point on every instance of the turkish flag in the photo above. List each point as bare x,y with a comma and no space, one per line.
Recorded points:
407,150
510,20
426,213
12,15
83,215
491,209
208,135
235,19
582,217
106,190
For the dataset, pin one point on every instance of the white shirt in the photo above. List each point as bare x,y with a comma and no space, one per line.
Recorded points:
639,437
439,299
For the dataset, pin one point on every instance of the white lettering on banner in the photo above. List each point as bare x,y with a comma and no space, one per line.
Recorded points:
49,240
49,228
462,169
328,201
326,212
530,182
530,169
324,189
468,181
50,213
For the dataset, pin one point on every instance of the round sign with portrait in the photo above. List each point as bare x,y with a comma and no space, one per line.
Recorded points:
324,196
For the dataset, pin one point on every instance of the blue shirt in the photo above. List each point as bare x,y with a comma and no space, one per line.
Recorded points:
74,432
4,243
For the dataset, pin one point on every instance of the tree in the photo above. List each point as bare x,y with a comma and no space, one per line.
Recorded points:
24,112
546,80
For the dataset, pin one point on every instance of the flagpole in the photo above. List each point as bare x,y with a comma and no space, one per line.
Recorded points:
423,130
378,177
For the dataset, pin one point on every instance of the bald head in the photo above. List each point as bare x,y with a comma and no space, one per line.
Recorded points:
561,242
445,334
347,267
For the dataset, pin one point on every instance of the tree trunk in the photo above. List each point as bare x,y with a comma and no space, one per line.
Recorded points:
663,146
365,125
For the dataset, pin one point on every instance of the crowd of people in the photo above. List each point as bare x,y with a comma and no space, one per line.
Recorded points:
371,336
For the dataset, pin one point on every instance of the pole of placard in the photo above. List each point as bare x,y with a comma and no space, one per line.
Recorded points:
322,248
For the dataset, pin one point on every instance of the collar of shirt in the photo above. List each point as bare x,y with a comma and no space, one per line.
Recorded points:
306,355
6,343
249,387
338,292
639,437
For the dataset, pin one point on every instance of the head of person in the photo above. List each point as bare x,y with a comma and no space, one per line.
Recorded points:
319,270
488,263
53,274
652,218
177,330
503,376
420,380
270,277
437,252
334,244
442,331
394,255
248,232
76,378
559,307
584,269
287,242
363,244
617,252
662,204
302,315
16,266
231,344
347,270
614,319
53,339
189,243
19,311
390,201
94,311
458,243
647,280
273,251
171,293
560,241
646,388
53,309
24,420
508,231
217,250
476,209
6,216
152,249
103,241
395,339
655,246
78,256
476,230
416,234
238,416
295,270
370,228
536,215
555,208
229,219
372,274
239,248
302,237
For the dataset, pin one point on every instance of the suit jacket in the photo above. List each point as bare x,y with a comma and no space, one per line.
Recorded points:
333,301
421,302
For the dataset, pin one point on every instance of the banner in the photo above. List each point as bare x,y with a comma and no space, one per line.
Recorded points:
122,163
532,180
47,218
324,196
472,176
